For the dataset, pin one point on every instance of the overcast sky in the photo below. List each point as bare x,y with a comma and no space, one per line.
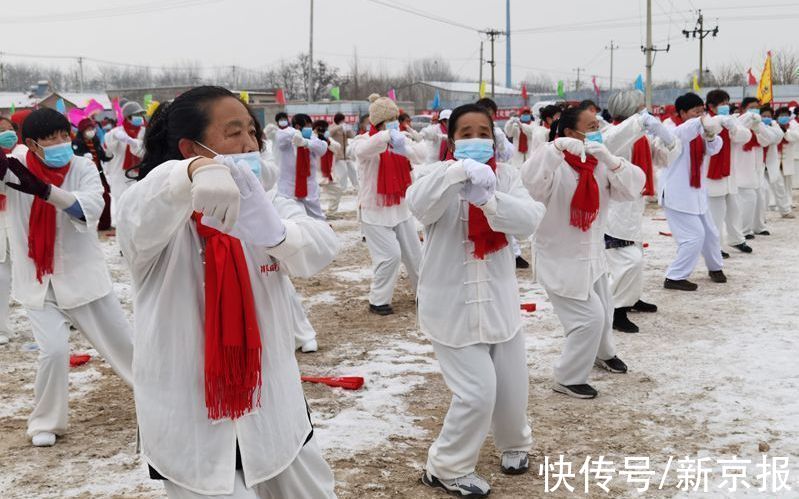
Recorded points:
257,33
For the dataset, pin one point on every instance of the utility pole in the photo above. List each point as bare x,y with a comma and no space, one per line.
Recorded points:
492,36
80,68
233,76
310,60
480,82
508,82
700,32
611,48
577,83
355,69
650,50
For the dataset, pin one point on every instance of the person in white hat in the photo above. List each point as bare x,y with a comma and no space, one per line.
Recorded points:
126,144
384,166
436,137
527,136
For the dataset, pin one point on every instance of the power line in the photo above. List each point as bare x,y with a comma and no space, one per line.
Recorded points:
149,7
417,12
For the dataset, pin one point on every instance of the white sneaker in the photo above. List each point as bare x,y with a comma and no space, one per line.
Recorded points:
44,439
3,339
310,346
471,485
515,462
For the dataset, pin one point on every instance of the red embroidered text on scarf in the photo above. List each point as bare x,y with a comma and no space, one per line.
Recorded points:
393,176
131,160
232,337
697,155
41,224
303,172
485,239
585,200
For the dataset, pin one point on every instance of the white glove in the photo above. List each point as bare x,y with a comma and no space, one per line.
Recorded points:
215,194
600,152
655,127
480,174
649,121
476,194
712,125
574,146
298,140
259,222
754,120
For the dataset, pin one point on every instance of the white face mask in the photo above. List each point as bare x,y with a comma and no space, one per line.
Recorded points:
89,134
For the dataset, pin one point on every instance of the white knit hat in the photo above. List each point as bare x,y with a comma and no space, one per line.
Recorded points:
382,109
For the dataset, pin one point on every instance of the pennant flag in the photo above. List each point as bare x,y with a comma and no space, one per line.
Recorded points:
764,94
639,83
436,101
244,96
60,106
13,108
524,93
751,77
561,91
696,84
482,89
147,100
335,92
118,111
152,107
76,115
280,97
596,87
392,94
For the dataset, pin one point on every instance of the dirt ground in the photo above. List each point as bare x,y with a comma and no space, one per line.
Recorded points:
713,374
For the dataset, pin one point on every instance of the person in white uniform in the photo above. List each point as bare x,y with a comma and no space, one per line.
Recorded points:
215,376
469,301
526,135
384,161
59,273
344,171
683,195
125,144
642,139
575,176
788,149
774,181
300,151
435,135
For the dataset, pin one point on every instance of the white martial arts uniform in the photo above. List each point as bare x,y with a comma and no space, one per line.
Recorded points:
686,207
751,179
723,199
537,136
571,263
344,171
78,291
19,151
331,189
287,153
789,157
626,264
469,308
116,143
432,136
776,184
165,254
390,231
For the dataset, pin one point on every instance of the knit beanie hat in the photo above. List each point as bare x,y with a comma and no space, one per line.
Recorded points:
382,109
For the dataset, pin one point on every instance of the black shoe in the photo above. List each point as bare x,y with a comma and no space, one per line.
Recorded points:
381,309
521,263
749,237
614,365
576,391
743,248
764,233
622,323
642,306
724,254
717,276
681,285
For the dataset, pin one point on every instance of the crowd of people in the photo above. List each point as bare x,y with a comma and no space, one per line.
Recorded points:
214,213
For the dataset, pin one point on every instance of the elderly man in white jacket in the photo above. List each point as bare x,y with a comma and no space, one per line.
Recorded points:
59,271
469,301
384,160
126,144
299,148
642,139
527,136
575,180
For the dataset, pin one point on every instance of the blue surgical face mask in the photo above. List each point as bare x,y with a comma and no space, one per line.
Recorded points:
307,132
392,125
723,110
753,110
253,159
595,136
8,139
480,150
767,121
136,120
57,156
526,118
782,120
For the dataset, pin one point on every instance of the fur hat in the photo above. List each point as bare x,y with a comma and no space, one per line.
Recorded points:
382,109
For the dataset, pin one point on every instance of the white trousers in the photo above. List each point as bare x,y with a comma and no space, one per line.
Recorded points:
726,212
588,325
695,235
626,274
104,324
489,385
788,180
303,330
781,196
344,173
5,295
751,210
387,247
332,192
307,477
515,246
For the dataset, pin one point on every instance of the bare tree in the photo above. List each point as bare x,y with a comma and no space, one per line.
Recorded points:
784,66
537,82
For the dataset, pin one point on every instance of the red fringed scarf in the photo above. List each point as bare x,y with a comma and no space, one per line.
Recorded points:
41,224
3,196
326,164
752,143
585,200
131,160
444,153
393,176
232,337
523,148
720,163
302,173
697,153
485,239
642,157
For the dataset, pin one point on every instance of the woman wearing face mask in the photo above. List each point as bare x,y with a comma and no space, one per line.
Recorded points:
88,144
330,187
469,301
59,272
125,144
300,150
788,147
575,176
773,182
521,130
215,375
435,135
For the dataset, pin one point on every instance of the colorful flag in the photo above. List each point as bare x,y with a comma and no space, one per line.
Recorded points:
244,96
392,94
13,108
280,97
147,100
639,83
751,77
696,84
482,89
152,107
60,106
524,93
436,101
118,111
764,94
596,87
561,91
335,92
